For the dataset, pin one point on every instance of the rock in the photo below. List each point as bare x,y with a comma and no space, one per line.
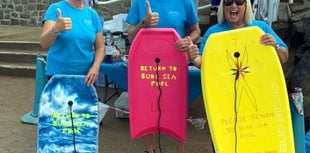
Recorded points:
300,54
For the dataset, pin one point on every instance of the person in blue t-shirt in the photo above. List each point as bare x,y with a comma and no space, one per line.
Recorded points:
178,14
234,14
72,33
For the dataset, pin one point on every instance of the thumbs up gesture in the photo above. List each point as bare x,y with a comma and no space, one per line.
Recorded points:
151,19
62,23
184,43
192,50
148,7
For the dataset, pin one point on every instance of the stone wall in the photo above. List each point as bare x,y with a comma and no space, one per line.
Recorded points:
23,12
30,12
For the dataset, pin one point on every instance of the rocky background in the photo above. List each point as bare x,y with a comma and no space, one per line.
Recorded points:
30,12
297,34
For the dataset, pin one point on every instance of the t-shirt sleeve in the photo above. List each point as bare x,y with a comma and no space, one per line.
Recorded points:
132,14
192,15
51,13
96,21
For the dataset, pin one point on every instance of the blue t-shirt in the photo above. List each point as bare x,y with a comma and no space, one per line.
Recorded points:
73,50
225,27
177,14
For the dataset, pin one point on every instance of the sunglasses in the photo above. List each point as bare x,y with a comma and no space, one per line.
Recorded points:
230,2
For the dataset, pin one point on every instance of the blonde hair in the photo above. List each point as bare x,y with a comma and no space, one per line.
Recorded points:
248,16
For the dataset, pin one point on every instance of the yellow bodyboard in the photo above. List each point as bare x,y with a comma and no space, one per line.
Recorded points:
245,94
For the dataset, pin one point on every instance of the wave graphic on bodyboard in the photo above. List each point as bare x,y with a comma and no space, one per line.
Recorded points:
68,116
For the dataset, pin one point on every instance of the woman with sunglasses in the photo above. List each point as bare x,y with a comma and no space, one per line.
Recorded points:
234,14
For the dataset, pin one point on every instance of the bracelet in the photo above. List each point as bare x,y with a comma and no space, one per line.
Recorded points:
53,33
195,60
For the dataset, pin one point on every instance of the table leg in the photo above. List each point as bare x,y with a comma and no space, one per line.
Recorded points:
115,92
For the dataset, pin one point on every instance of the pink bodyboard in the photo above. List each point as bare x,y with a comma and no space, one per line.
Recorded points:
157,84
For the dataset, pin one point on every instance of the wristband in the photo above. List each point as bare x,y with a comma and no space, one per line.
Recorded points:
53,33
195,60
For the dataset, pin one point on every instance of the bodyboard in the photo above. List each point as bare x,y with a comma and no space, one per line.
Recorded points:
68,116
245,95
157,84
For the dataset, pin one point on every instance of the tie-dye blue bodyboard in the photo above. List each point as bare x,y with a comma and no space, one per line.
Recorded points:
68,116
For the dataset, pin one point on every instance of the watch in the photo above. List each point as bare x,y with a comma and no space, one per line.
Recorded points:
277,47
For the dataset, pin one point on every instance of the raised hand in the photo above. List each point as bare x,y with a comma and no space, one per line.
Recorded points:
192,50
151,19
63,23
148,7
184,43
